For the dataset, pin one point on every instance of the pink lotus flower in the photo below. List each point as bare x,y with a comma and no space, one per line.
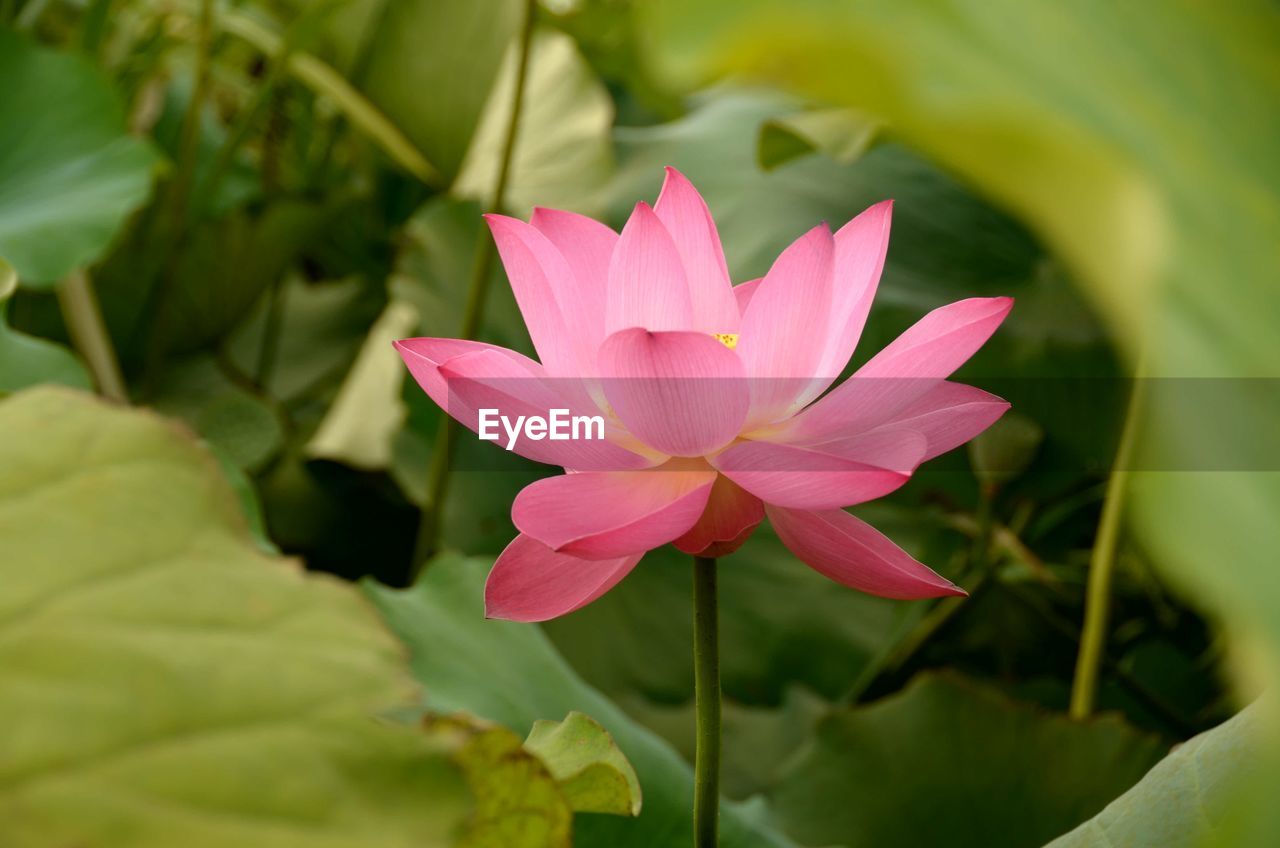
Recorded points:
712,396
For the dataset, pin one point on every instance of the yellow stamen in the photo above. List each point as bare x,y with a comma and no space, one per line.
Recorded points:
729,340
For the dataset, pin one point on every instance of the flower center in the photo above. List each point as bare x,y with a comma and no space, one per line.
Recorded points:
729,340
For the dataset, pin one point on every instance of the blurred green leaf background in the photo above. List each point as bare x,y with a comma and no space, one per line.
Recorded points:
214,628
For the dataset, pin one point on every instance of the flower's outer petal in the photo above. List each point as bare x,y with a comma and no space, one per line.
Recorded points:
598,515
423,356
743,292
682,393
731,513
686,217
860,248
811,478
941,341
948,415
780,345
488,380
914,364
852,552
897,448
531,582
647,283
587,246
536,271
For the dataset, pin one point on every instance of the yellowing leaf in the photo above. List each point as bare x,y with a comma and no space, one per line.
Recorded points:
165,683
519,802
592,771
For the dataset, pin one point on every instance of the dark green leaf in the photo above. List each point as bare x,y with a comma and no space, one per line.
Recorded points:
949,763
69,175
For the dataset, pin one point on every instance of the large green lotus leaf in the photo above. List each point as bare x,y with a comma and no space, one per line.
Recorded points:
162,682
69,175
946,762
1185,799
1141,147
428,66
563,151
510,673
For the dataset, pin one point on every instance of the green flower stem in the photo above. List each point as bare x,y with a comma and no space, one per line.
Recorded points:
89,334
706,680
1084,688
477,294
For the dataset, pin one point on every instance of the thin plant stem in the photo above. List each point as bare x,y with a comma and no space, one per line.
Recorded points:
706,687
1102,560
178,202
272,324
189,132
477,294
263,96
982,539
89,335
94,26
